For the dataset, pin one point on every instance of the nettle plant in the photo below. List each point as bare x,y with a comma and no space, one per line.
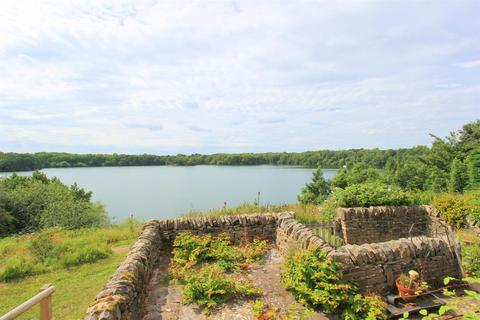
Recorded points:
215,262
316,282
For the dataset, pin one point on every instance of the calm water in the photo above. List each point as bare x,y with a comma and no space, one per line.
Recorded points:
162,191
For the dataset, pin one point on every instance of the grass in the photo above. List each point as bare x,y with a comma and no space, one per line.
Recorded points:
76,287
55,249
305,214
77,262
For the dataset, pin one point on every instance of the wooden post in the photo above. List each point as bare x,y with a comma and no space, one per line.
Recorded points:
44,298
46,305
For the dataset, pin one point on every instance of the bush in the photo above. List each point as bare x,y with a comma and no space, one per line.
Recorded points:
210,285
316,281
365,308
452,208
471,259
28,204
255,250
190,250
472,199
371,194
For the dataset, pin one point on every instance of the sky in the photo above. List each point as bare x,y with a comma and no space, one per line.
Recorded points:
167,77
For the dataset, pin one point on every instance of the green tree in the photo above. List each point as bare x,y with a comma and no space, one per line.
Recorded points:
473,163
316,191
458,176
341,179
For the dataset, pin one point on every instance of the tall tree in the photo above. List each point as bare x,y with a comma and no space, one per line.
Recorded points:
316,191
458,176
473,163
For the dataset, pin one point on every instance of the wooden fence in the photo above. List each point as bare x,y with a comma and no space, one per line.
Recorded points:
44,297
327,232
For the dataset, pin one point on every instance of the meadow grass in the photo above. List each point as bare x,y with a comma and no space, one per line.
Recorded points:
76,287
77,262
54,249
304,213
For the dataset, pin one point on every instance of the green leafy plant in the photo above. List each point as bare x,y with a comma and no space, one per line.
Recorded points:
365,308
371,194
190,250
315,191
254,251
471,259
316,282
452,208
258,307
210,286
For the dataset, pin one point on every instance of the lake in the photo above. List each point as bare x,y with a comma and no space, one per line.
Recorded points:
157,192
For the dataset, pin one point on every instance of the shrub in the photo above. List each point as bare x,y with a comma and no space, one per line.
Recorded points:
316,281
471,259
257,308
365,308
452,208
370,194
255,250
223,253
210,285
472,199
190,249
31,203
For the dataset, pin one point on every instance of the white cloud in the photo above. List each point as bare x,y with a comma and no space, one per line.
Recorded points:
178,76
469,64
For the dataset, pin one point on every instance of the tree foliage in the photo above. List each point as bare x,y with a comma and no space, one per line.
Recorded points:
315,191
376,158
32,203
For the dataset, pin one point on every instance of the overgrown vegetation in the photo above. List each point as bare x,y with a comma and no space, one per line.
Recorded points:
32,203
471,259
55,249
316,282
208,268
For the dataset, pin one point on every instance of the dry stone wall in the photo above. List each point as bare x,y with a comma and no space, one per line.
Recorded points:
378,224
374,264
123,295
240,228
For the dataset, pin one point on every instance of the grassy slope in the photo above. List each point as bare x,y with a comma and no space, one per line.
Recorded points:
76,287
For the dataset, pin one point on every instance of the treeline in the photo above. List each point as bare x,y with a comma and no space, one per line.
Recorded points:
10,162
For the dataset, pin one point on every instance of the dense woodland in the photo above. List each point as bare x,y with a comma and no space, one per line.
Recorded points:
325,158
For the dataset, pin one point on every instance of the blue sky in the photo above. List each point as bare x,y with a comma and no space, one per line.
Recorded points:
235,76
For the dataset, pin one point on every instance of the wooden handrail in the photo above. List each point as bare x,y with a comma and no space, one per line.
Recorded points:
45,300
